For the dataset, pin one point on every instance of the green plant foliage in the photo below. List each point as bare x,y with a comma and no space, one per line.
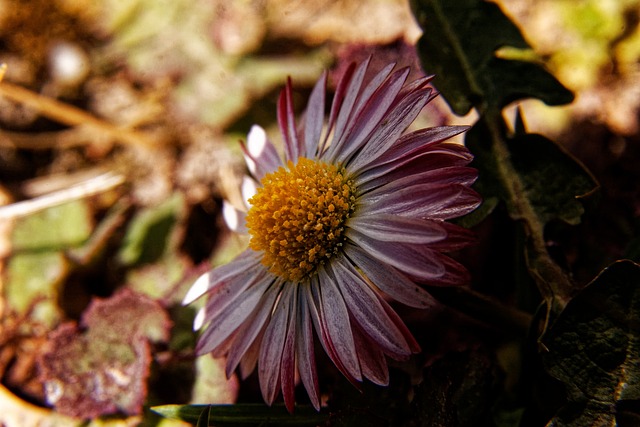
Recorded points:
243,414
459,44
38,264
552,180
594,348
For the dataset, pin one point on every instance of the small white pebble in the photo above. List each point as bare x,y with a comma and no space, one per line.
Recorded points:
68,64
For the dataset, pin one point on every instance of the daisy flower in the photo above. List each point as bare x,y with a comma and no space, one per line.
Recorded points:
353,215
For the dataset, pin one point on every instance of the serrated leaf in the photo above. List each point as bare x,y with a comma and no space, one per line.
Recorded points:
594,348
552,181
244,414
458,45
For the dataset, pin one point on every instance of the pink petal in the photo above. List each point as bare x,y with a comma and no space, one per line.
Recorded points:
335,317
305,348
433,154
228,292
457,238
415,260
415,173
393,316
421,201
288,366
456,274
217,277
314,117
387,133
393,228
270,358
318,316
366,121
338,98
365,307
389,280
224,323
250,329
286,120
250,358
372,359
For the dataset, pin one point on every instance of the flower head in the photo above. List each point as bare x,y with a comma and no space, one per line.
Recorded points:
353,215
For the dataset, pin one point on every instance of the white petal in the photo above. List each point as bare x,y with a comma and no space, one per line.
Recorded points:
235,219
198,321
248,189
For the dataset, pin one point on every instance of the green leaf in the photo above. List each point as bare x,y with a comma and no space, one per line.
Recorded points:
459,46
551,179
37,267
149,236
594,348
244,414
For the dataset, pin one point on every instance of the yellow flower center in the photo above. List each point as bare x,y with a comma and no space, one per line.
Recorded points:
297,217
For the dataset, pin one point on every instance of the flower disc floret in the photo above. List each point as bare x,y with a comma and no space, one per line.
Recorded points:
297,217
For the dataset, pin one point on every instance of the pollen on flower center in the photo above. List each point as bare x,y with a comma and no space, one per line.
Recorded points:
297,217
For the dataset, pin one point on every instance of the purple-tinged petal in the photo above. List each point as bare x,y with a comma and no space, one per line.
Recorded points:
372,359
335,317
239,266
338,98
305,348
394,228
318,316
234,218
260,154
229,291
457,238
387,133
422,201
364,305
414,174
366,121
287,122
272,346
250,329
250,359
224,323
389,280
456,274
288,365
420,141
426,147
314,118
349,110
393,316
415,260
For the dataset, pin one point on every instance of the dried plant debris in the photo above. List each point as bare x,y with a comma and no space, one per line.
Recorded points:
102,366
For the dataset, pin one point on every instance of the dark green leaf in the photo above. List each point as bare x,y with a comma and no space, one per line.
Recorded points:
203,419
244,414
551,180
458,45
594,348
